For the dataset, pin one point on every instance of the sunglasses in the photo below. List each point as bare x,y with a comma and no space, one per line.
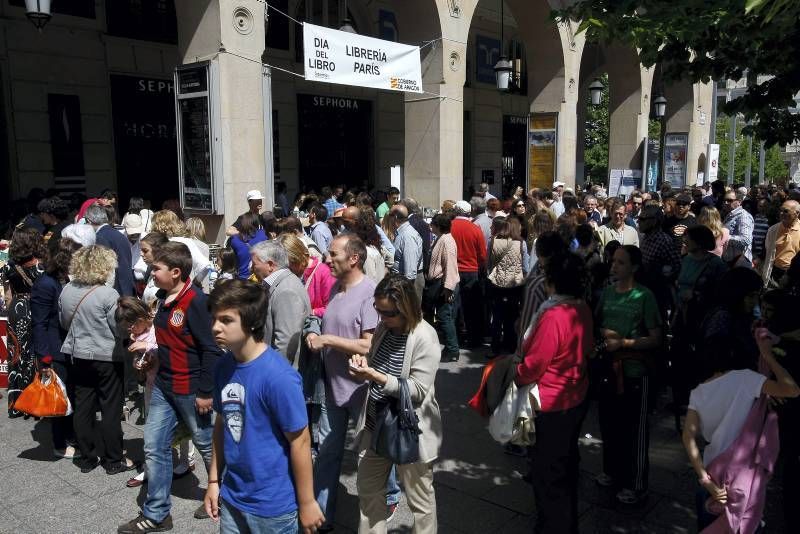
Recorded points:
386,313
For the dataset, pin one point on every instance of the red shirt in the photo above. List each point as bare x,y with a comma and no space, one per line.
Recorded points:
556,356
470,244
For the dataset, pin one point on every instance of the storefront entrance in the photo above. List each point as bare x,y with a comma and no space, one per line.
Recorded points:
335,141
144,139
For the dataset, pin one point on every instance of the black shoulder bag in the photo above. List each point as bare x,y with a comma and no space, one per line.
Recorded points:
396,433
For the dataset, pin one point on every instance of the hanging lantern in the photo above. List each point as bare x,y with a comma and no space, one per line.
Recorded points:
503,72
596,91
347,26
660,105
38,12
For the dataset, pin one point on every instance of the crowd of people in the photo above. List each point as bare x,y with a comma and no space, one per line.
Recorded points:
332,310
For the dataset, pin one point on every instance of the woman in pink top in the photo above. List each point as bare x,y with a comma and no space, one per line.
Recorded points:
315,273
556,348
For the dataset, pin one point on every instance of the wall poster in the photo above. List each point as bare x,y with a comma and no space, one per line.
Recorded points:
542,146
675,148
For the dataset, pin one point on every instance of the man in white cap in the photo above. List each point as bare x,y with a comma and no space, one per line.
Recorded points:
471,247
255,201
134,231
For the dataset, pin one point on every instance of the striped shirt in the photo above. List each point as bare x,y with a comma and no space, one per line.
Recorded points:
760,227
388,360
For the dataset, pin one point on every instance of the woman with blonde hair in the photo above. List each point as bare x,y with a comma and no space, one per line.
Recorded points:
168,223
87,305
711,219
315,273
404,347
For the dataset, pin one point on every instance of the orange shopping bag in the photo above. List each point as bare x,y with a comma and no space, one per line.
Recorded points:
44,398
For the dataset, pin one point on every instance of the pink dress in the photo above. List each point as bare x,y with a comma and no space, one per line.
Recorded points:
149,338
318,281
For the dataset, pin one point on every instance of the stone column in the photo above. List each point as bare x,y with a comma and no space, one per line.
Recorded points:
434,121
699,132
231,34
572,46
629,103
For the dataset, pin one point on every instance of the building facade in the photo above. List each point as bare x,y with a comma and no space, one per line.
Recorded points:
88,103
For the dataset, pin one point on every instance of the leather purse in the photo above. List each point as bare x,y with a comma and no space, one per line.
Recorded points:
396,433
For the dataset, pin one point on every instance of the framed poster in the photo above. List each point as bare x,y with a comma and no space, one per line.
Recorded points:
196,127
542,146
675,148
487,53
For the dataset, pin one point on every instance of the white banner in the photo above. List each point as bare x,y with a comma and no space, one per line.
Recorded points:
345,58
712,172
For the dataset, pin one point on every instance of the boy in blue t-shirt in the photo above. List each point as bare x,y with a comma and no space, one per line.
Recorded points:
261,475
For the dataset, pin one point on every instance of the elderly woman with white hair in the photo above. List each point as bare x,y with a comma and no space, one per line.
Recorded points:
87,305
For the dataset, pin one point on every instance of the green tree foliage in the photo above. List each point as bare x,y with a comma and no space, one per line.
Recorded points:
703,40
775,169
595,155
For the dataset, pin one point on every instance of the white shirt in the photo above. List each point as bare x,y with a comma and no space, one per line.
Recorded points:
723,405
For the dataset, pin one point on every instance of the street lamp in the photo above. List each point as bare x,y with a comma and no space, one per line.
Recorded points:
347,24
503,74
503,71
596,91
38,12
660,106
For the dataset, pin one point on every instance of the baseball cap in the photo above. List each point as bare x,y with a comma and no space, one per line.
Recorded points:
463,206
683,198
133,224
254,194
556,185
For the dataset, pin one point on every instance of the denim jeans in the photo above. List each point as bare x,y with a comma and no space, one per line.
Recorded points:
328,467
162,419
235,521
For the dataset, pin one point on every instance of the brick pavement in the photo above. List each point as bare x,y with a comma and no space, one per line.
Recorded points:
479,489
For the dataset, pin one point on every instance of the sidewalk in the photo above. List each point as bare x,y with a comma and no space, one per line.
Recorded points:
479,489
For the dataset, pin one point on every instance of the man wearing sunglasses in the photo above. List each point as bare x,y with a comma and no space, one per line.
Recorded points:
740,224
782,244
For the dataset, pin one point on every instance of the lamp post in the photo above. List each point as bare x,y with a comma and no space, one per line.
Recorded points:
347,24
503,71
660,110
596,91
38,12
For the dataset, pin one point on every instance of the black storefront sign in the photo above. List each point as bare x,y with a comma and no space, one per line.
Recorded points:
66,134
144,138
148,20
334,140
75,8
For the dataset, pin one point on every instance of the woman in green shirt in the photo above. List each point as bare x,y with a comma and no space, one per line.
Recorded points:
630,334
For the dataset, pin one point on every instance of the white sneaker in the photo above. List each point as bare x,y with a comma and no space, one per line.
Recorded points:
70,453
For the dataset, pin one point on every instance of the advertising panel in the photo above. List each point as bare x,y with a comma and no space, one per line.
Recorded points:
542,146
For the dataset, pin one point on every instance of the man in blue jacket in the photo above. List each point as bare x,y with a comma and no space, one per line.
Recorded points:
107,236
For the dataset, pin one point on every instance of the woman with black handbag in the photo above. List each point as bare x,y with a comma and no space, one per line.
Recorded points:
400,423
441,286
